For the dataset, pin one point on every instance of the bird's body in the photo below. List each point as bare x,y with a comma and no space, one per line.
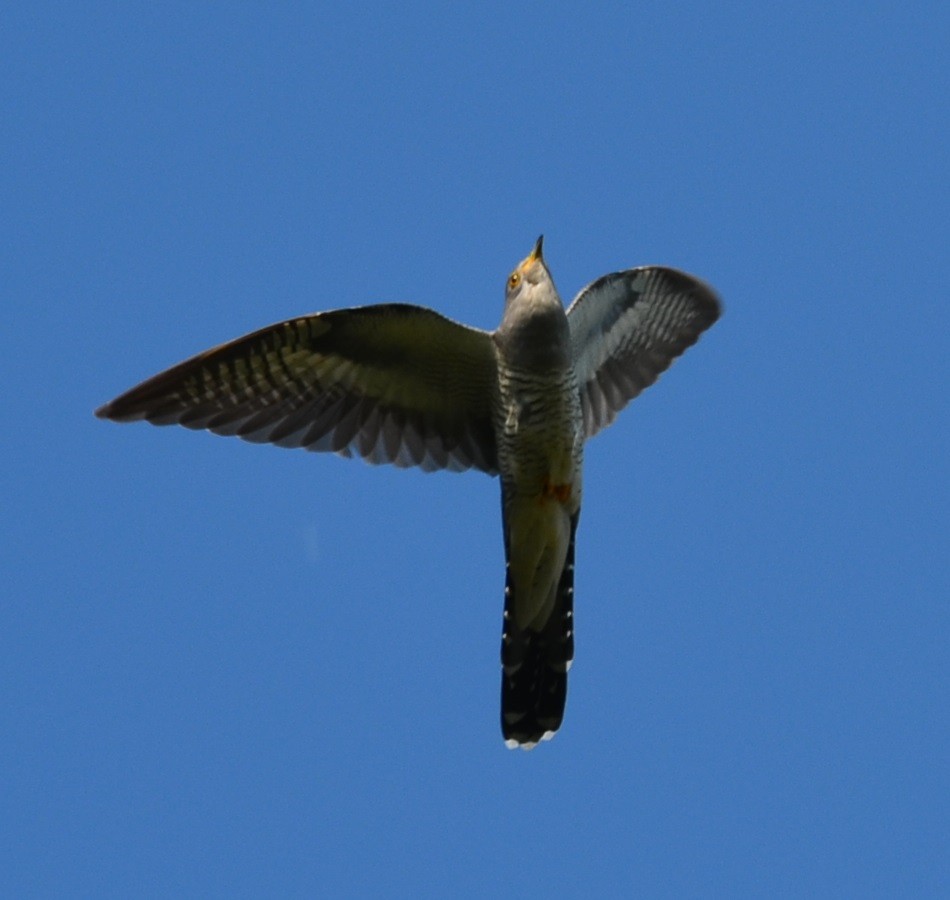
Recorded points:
539,434
404,385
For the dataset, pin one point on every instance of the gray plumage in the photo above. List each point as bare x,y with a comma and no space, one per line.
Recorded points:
404,385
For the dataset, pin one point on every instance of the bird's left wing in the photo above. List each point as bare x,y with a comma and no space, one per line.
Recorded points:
626,328
391,383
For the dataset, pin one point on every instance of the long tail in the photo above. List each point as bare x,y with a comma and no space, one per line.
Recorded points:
535,663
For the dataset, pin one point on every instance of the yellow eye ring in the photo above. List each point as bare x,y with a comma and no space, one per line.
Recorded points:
514,279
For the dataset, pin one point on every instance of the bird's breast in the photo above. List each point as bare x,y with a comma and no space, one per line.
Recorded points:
539,435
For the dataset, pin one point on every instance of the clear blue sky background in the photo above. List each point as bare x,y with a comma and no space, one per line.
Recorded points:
237,670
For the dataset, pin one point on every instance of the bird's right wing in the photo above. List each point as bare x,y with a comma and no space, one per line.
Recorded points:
391,383
626,328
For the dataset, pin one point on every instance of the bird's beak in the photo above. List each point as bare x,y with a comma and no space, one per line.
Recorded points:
536,253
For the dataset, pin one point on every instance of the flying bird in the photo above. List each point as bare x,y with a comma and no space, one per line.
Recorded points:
401,384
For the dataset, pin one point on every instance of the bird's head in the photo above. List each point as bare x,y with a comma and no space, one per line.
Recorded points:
533,332
530,284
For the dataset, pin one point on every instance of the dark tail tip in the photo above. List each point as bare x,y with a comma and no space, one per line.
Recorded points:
533,692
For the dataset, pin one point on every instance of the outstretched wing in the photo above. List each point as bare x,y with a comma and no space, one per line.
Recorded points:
391,383
626,328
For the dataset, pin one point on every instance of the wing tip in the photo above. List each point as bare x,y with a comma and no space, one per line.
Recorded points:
113,411
710,302
703,292
117,411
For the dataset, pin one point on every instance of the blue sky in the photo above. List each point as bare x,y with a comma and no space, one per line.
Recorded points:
237,670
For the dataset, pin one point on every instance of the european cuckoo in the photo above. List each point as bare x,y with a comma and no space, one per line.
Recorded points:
401,384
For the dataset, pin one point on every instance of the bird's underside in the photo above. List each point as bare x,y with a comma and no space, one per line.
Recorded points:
404,385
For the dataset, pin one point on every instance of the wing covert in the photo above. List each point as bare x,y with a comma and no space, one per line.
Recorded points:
391,383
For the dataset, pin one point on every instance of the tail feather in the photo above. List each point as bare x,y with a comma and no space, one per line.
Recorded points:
535,664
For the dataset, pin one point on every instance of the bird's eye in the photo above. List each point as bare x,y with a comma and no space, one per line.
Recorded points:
514,279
